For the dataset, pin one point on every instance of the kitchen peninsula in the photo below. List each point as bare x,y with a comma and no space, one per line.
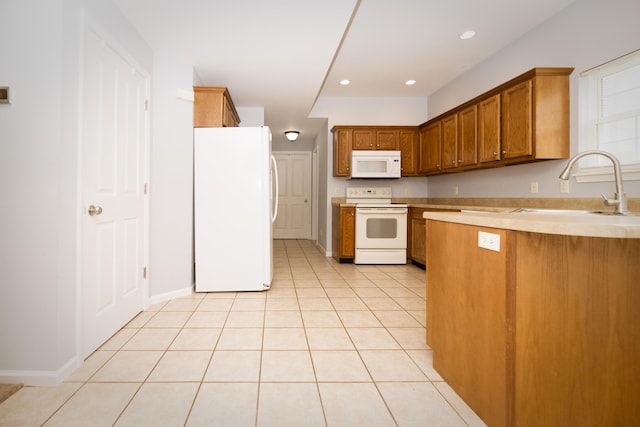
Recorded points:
533,316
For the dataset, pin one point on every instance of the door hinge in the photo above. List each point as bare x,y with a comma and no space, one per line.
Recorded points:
144,273
146,104
145,188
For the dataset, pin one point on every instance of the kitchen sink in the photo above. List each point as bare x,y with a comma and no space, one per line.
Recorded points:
564,211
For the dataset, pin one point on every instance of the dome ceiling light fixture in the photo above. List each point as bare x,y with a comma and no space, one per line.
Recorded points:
292,135
410,82
345,82
467,34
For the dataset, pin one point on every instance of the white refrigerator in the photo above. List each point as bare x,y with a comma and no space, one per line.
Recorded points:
235,205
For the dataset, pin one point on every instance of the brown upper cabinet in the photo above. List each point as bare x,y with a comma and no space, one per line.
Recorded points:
409,151
349,138
489,129
523,120
430,146
213,107
342,151
459,139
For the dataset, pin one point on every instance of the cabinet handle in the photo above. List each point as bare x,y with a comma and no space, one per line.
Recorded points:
459,161
504,151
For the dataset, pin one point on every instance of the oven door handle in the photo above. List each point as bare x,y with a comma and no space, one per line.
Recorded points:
381,211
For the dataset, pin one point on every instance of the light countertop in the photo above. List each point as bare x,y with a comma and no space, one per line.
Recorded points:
569,224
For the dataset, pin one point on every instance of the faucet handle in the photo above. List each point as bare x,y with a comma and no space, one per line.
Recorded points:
610,202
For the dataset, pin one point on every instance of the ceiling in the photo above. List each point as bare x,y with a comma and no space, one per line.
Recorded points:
284,54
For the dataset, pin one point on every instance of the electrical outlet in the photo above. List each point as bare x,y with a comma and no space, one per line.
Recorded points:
489,241
407,192
534,187
455,190
337,191
564,186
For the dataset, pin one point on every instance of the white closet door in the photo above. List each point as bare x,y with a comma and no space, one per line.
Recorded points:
294,212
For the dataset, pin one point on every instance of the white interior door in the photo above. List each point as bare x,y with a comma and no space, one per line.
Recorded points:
113,171
294,211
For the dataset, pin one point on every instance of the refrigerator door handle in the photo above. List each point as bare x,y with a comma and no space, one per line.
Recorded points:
275,175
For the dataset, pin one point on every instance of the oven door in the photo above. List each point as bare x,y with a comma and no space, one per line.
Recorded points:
381,228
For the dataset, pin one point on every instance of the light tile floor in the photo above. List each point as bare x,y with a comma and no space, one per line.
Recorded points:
328,345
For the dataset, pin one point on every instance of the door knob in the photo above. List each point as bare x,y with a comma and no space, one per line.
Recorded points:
94,210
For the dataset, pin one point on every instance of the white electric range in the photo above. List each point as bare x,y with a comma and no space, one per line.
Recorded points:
381,226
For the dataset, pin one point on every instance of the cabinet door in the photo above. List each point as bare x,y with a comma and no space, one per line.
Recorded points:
450,142
363,139
386,140
342,152
418,238
347,232
229,117
489,130
516,121
467,137
467,316
430,138
408,144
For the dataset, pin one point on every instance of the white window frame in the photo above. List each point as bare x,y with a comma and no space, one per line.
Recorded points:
589,117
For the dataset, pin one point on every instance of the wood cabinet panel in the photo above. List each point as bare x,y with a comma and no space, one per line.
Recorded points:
466,323
408,145
343,233
450,142
363,139
342,152
575,294
430,143
517,121
489,135
213,107
386,139
468,137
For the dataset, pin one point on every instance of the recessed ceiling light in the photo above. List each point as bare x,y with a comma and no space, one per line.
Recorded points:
344,82
467,34
410,82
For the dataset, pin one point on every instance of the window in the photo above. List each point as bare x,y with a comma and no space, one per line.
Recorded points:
610,118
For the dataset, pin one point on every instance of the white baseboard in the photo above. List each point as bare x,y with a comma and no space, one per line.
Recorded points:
322,249
156,299
40,378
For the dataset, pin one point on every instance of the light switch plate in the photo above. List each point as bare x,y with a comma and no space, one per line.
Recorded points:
489,241
4,95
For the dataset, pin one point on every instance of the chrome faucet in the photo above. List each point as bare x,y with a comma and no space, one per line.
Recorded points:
620,199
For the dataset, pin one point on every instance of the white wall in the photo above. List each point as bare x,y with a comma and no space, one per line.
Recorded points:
322,143
171,228
586,34
365,111
39,269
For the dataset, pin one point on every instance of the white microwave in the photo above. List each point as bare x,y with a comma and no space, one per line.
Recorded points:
375,164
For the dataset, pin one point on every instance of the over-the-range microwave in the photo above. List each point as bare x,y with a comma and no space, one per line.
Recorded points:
375,164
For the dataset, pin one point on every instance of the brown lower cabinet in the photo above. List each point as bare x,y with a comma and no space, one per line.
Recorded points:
542,333
343,233
417,234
